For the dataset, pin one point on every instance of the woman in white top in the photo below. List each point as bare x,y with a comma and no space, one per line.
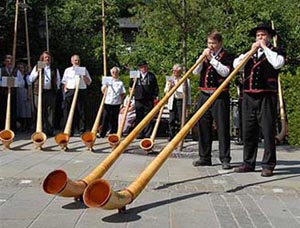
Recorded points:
24,97
114,98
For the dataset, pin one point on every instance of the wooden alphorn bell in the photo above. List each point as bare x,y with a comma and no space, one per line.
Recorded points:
62,139
39,137
114,139
89,137
148,143
99,192
7,135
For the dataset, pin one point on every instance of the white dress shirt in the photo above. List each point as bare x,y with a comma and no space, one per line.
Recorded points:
219,67
69,78
47,77
276,60
114,92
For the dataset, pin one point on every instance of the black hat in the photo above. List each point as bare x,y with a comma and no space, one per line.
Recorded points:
142,63
263,26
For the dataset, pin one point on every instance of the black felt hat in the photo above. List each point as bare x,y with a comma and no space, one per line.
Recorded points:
263,26
142,63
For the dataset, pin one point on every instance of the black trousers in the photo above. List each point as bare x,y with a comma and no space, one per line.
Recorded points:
79,119
218,111
3,108
142,108
175,117
110,119
259,113
48,106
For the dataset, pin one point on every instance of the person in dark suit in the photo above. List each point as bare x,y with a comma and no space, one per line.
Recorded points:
146,90
260,88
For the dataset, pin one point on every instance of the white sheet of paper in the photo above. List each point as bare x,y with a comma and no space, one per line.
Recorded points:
106,80
9,81
80,71
169,78
134,74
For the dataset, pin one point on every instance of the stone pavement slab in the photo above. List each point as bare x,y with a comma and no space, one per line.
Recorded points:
179,195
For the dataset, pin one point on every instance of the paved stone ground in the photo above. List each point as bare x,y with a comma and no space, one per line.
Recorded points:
179,195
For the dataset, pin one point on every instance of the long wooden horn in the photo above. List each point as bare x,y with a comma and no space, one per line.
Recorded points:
57,181
39,137
7,135
62,139
99,192
284,125
89,137
148,143
114,139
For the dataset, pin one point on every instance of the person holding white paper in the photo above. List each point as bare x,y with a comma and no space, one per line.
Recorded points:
69,80
114,98
51,85
8,71
176,100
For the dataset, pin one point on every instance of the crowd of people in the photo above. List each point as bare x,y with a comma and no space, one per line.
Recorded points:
257,88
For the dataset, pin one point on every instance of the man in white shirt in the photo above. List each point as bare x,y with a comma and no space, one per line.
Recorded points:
51,84
69,84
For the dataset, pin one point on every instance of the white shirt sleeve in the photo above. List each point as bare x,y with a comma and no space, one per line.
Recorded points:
198,69
33,75
219,67
238,60
276,60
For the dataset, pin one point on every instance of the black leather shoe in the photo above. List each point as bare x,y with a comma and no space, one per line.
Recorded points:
226,165
266,173
244,169
201,163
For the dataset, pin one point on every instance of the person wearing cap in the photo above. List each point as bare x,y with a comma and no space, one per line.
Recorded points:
145,91
175,101
260,87
212,73
69,85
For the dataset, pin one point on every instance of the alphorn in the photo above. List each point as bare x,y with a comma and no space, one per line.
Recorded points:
57,181
7,135
99,192
148,143
284,126
62,139
39,137
89,137
114,139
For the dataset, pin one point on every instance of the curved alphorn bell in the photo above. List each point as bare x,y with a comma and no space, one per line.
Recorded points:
57,181
148,143
62,139
114,139
89,137
7,135
39,137
99,192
